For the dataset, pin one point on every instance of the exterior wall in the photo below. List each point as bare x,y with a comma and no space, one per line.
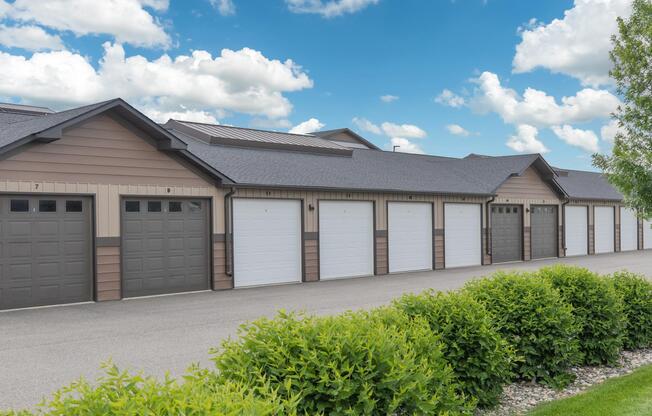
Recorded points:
311,222
526,190
344,137
106,159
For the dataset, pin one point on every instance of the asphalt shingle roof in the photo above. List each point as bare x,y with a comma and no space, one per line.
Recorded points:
587,185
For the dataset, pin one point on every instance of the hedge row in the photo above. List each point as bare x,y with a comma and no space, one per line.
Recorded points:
432,353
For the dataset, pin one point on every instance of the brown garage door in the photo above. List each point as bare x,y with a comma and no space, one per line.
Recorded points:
506,233
165,246
45,250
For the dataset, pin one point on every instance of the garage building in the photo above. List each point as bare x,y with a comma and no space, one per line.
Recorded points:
101,203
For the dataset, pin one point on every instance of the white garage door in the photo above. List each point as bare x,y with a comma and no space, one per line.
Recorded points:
604,229
647,234
628,230
346,239
410,236
577,231
462,235
266,241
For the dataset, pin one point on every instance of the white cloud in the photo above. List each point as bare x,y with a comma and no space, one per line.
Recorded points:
242,81
388,98
405,145
608,131
328,8
577,45
366,125
270,123
126,20
29,37
536,107
225,7
186,115
584,139
308,126
449,98
526,141
403,130
457,130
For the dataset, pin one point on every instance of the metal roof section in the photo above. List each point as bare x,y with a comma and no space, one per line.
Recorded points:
24,109
215,134
328,134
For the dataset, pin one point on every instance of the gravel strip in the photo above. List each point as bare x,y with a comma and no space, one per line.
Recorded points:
520,397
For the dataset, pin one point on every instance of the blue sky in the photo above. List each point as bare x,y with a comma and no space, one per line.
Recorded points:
454,74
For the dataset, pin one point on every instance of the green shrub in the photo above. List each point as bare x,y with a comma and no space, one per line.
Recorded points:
597,308
531,315
119,393
481,358
636,292
378,362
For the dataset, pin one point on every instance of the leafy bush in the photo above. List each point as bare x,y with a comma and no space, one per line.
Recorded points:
531,314
363,363
597,308
481,358
119,393
636,292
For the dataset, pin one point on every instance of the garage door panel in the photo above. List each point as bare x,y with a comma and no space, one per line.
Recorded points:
155,258
346,239
266,241
45,257
462,234
576,230
410,230
506,233
604,229
647,234
628,230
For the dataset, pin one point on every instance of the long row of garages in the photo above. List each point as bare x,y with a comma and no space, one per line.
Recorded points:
47,251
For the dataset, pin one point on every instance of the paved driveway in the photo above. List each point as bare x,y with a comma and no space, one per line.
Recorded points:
43,349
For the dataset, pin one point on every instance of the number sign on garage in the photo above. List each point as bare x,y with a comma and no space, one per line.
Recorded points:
45,250
462,235
346,239
409,226
266,241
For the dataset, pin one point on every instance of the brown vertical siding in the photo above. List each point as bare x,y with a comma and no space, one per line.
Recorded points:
560,239
486,257
439,248
617,245
640,234
527,253
220,279
108,273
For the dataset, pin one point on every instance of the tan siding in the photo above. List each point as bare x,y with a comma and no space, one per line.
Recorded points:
311,260
108,273
381,255
527,186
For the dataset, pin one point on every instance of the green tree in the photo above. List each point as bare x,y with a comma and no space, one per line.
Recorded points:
629,167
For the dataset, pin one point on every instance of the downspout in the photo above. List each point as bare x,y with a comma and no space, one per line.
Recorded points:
487,237
228,254
563,224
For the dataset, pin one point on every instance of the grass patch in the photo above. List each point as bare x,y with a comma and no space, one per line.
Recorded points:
629,395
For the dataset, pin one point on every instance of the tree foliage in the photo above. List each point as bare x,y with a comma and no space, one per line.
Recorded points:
629,167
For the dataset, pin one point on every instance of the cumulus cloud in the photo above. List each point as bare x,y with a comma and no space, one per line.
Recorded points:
403,130
577,45
457,130
584,139
366,125
388,98
185,115
29,37
308,126
449,98
328,8
536,107
224,7
405,146
608,131
243,81
526,141
126,20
